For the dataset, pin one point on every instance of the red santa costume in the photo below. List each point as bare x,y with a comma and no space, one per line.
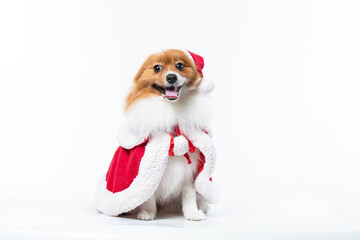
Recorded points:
142,156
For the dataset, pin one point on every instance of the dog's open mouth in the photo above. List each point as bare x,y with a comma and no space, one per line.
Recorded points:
169,93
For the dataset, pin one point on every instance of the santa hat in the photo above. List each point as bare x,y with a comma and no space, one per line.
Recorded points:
198,61
206,86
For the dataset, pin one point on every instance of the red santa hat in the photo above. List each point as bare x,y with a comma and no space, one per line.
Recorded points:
206,86
199,62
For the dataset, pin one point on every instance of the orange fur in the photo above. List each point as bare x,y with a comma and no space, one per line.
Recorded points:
146,77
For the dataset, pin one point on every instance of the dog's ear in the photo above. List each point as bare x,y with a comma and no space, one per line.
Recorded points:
139,73
145,65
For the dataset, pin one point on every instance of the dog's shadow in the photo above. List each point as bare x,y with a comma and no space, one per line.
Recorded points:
161,215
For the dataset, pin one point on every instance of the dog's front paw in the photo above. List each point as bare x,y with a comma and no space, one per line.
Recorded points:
195,215
145,215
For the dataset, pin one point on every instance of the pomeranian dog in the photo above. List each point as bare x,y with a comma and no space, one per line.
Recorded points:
166,155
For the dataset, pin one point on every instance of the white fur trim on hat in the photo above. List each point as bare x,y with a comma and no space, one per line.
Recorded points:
206,86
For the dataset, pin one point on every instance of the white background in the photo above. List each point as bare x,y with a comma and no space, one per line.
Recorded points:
287,103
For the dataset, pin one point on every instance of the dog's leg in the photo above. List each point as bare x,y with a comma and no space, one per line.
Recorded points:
147,210
189,207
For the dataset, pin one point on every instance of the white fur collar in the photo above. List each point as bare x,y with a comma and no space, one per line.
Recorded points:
155,114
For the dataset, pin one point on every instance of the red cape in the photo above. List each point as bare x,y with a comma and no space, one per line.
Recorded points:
136,170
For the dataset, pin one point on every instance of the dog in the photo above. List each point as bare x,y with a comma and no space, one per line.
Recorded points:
168,97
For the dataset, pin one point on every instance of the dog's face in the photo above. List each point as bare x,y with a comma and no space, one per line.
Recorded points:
166,75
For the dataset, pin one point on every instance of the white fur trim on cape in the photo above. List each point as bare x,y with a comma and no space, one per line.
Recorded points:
203,185
128,139
151,170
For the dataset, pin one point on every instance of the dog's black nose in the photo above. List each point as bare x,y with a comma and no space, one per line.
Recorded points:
171,78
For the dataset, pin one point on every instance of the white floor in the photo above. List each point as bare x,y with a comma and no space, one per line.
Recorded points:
247,217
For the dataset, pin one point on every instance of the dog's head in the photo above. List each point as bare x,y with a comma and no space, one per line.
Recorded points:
168,74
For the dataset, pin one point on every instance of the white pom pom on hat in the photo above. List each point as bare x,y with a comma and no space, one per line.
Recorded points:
206,86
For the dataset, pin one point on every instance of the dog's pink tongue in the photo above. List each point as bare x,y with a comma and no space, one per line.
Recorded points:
170,92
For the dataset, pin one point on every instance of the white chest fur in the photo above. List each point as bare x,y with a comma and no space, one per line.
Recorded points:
177,174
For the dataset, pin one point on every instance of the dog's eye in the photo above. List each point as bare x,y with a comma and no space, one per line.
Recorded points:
179,66
157,68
